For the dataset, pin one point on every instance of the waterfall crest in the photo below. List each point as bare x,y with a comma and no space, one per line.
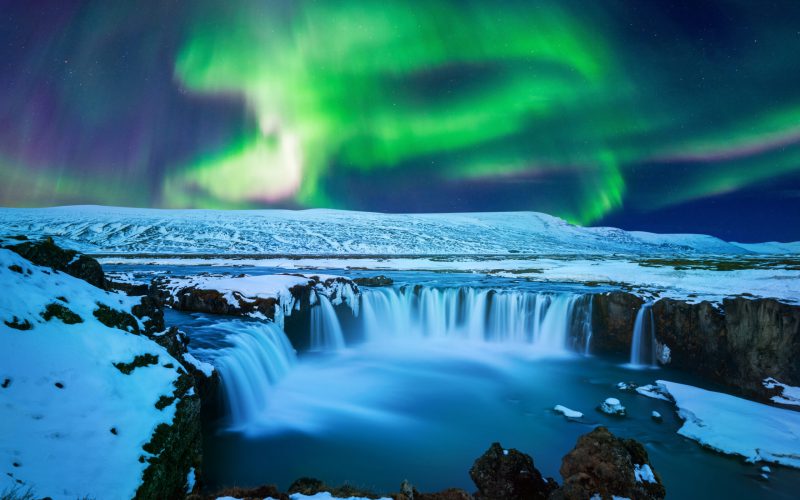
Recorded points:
547,321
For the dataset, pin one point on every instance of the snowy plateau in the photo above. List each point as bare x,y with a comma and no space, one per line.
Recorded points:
93,229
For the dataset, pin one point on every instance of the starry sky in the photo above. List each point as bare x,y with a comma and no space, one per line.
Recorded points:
668,116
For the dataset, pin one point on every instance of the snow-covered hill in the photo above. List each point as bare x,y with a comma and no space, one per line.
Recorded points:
79,400
96,229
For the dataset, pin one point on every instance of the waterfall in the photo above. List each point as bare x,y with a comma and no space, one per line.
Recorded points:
259,355
256,355
326,332
643,352
544,320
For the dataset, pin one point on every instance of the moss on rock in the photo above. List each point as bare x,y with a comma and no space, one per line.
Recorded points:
138,362
114,318
63,313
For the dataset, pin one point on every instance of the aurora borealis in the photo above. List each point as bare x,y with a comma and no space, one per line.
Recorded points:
666,116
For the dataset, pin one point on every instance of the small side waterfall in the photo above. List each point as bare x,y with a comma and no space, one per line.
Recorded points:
643,344
259,356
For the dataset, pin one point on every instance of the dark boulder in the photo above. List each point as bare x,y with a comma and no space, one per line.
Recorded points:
507,474
307,486
46,253
606,465
379,280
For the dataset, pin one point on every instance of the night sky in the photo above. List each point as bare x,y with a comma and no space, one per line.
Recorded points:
653,115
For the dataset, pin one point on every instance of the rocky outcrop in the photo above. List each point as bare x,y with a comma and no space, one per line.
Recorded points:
379,280
507,474
46,253
738,344
613,317
605,465
302,296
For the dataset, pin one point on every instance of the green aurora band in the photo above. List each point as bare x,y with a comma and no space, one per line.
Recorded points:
580,100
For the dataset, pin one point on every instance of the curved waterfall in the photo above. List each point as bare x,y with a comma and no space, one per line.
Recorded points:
260,355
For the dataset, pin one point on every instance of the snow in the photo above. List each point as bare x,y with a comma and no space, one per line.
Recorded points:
61,437
653,391
612,406
276,286
326,496
655,415
694,285
643,473
789,395
737,426
206,368
340,232
771,247
567,412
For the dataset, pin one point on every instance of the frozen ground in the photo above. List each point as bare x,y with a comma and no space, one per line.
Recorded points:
72,425
649,278
336,232
737,426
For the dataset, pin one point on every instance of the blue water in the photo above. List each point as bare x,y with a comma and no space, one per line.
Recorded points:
375,414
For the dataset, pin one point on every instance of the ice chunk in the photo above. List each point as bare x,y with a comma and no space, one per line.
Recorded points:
789,395
653,391
643,473
612,406
567,412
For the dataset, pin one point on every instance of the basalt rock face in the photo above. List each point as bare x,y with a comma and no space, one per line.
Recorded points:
502,474
613,317
194,299
605,465
46,253
739,344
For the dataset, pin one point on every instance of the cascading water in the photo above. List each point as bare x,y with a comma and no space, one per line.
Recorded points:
643,351
544,320
260,354
326,331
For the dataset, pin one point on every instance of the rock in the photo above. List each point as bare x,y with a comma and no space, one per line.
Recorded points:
613,317
737,344
448,494
258,493
612,406
46,253
307,486
606,465
150,311
502,474
379,280
407,490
